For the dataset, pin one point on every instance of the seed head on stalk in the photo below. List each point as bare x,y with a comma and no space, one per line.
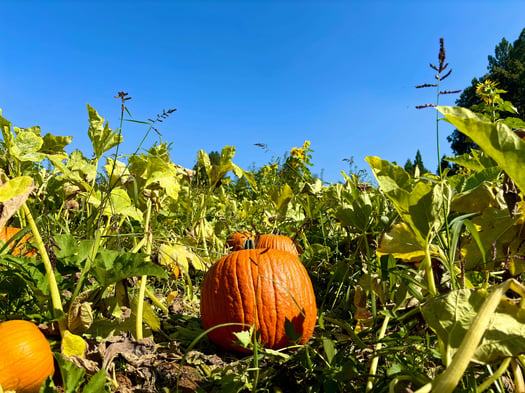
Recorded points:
439,76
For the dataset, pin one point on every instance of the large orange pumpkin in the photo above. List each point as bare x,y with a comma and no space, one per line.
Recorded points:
26,359
19,247
265,287
279,242
237,239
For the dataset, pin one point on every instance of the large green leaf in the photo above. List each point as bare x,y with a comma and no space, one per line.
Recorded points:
102,137
451,316
497,140
110,267
27,145
119,203
422,205
402,243
53,144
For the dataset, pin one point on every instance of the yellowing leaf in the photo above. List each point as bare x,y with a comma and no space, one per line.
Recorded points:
15,187
178,257
402,243
73,345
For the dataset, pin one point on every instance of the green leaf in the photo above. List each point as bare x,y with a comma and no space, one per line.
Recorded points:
110,267
451,316
26,147
475,160
53,144
281,197
329,349
15,187
119,204
423,206
358,213
474,200
402,243
72,375
96,383
102,137
496,139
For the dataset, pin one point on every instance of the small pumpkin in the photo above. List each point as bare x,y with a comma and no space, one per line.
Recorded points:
276,241
267,288
20,247
237,240
26,359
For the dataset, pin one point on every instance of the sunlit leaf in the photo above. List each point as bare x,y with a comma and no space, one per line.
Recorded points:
101,136
497,140
73,345
402,243
15,187
110,267
451,316
119,203
54,144
26,147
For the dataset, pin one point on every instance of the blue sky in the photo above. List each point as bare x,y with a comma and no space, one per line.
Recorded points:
338,73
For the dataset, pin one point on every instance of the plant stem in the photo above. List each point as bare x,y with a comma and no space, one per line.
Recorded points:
56,301
429,271
142,288
495,376
375,360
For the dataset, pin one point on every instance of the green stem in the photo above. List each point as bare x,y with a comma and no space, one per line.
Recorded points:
494,377
375,360
56,301
89,261
429,271
156,301
142,288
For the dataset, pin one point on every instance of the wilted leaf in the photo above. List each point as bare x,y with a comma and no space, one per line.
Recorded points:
13,195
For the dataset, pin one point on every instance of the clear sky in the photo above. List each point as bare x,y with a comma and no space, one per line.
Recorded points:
341,74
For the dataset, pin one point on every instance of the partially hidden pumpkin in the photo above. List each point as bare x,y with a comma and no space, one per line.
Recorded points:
26,359
236,240
279,242
20,247
267,288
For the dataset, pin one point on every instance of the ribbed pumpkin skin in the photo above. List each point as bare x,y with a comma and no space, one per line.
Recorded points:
278,242
237,239
258,286
26,359
19,247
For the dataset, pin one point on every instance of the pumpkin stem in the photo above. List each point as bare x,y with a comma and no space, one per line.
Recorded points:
276,231
248,244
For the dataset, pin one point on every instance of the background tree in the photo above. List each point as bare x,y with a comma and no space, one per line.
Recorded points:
507,69
410,166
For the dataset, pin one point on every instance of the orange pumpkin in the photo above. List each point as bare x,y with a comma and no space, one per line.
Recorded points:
237,239
278,242
261,287
26,359
19,247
